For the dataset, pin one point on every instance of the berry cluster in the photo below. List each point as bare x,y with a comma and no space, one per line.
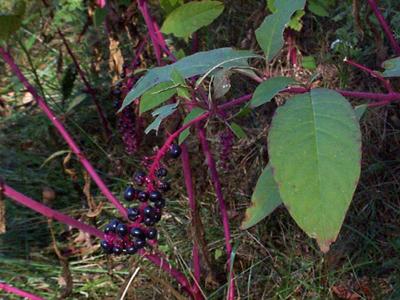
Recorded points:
121,238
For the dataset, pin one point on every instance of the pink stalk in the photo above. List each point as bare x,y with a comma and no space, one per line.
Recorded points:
220,197
385,26
63,132
187,173
89,87
13,290
372,73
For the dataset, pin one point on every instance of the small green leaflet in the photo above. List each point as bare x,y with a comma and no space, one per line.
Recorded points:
197,111
320,7
264,200
190,17
181,88
237,130
161,114
156,96
190,66
308,62
270,34
268,89
11,22
314,145
392,67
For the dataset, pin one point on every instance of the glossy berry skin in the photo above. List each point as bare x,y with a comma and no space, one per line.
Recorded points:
133,213
139,243
161,172
130,194
117,250
164,186
152,234
122,230
107,248
131,250
154,196
156,217
122,75
175,151
148,211
116,92
159,203
148,221
137,232
139,177
108,229
114,223
143,196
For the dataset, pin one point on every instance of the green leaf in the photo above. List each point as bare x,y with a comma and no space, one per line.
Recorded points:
190,17
308,62
169,5
197,111
264,200
190,66
160,114
181,87
360,111
392,67
237,130
295,22
314,145
99,16
318,7
268,89
156,96
11,22
270,34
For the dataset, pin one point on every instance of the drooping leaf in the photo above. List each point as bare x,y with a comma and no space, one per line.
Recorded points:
99,16
160,114
314,145
237,130
264,200
169,5
156,96
190,66
318,7
197,111
360,110
191,16
268,89
270,34
392,67
11,22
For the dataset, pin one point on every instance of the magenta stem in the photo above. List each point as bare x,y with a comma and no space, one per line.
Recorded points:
48,212
187,173
221,201
63,132
89,87
13,290
385,26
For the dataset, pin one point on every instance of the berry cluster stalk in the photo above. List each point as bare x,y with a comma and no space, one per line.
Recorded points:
63,132
13,290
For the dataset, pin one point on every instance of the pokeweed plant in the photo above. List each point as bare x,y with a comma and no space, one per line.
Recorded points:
314,141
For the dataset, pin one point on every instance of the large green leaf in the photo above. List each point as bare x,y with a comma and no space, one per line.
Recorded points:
156,96
190,17
270,34
190,66
264,200
392,67
10,22
268,89
315,150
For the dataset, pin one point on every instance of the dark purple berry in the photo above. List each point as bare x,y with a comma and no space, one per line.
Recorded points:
148,211
106,246
133,213
117,250
161,172
122,75
116,92
152,234
139,243
122,230
164,186
156,217
175,150
139,177
108,229
125,65
131,250
148,221
119,84
130,193
143,196
160,203
154,196
114,223
137,232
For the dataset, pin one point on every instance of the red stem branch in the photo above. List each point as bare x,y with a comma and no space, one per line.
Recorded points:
13,290
385,26
89,87
63,132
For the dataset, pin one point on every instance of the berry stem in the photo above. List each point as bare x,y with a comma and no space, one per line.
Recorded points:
385,26
13,290
220,197
63,132
91,90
